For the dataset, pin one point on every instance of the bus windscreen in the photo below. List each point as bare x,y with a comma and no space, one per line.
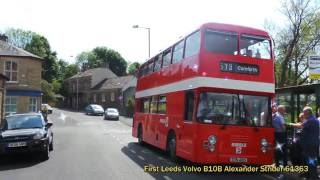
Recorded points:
233,109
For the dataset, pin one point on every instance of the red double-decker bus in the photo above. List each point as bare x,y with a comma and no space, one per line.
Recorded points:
207,98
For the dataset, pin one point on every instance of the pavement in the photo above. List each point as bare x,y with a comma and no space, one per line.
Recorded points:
90,148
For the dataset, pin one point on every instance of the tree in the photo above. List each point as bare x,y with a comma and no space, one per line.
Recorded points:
48,94
298,39
133,68
19,37
39,46
102,57
65,71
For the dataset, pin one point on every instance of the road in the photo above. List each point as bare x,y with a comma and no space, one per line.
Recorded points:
90,148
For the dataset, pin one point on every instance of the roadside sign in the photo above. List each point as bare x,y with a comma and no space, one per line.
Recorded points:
314,67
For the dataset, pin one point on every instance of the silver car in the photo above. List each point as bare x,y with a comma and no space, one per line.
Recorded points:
111,113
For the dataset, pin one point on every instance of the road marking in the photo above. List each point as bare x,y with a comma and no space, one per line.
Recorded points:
140,157
62,117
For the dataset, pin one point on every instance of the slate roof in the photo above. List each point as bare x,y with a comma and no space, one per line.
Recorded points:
113,83
90,72
132,83
7,49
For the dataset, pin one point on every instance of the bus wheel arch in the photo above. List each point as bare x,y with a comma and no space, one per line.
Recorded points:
172,145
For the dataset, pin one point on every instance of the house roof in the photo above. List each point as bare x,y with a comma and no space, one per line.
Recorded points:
132,83
7,49
90,72
113,83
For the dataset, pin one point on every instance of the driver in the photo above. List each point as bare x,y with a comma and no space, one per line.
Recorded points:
203,108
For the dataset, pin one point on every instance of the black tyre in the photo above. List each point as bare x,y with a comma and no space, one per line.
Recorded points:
140,135
51,146
46,153
172,146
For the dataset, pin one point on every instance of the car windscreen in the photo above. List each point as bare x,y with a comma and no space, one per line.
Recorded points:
24,122
96,107
112,111
233,109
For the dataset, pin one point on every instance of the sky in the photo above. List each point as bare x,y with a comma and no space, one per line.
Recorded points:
73,26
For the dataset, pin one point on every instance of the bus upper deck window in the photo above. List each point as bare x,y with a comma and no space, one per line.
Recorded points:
221,42
255,46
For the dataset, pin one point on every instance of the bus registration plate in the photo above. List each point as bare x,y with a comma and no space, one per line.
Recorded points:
238,160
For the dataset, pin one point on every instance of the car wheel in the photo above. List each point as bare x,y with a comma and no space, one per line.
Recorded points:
46,153
51,146
172,145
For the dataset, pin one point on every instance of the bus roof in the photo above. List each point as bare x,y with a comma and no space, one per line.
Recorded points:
235,28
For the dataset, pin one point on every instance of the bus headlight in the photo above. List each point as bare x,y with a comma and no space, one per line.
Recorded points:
212,140
264,149
264,145
211,148
264,142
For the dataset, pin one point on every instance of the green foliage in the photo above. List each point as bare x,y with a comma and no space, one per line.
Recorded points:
65,71
48,94
133,68
296,40
103,57
56,86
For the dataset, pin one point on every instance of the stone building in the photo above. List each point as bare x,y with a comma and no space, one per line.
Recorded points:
79,86
3,80
23,89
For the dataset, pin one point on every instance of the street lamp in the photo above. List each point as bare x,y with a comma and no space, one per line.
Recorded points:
77,88
147,28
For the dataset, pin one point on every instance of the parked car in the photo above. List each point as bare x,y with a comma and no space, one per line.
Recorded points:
111,113
21,133
94,109
49,108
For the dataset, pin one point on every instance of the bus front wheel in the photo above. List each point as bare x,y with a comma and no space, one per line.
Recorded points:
140,135
172,144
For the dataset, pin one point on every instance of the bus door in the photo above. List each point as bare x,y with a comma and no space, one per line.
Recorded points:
153,120
186,127
163,122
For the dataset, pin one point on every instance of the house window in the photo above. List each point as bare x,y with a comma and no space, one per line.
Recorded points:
32,104
103,97
112,97
11,104
11,70
94,98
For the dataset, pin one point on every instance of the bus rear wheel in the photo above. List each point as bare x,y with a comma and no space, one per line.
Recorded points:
172,145
140,135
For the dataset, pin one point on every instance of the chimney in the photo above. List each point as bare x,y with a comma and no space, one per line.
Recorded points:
3,37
